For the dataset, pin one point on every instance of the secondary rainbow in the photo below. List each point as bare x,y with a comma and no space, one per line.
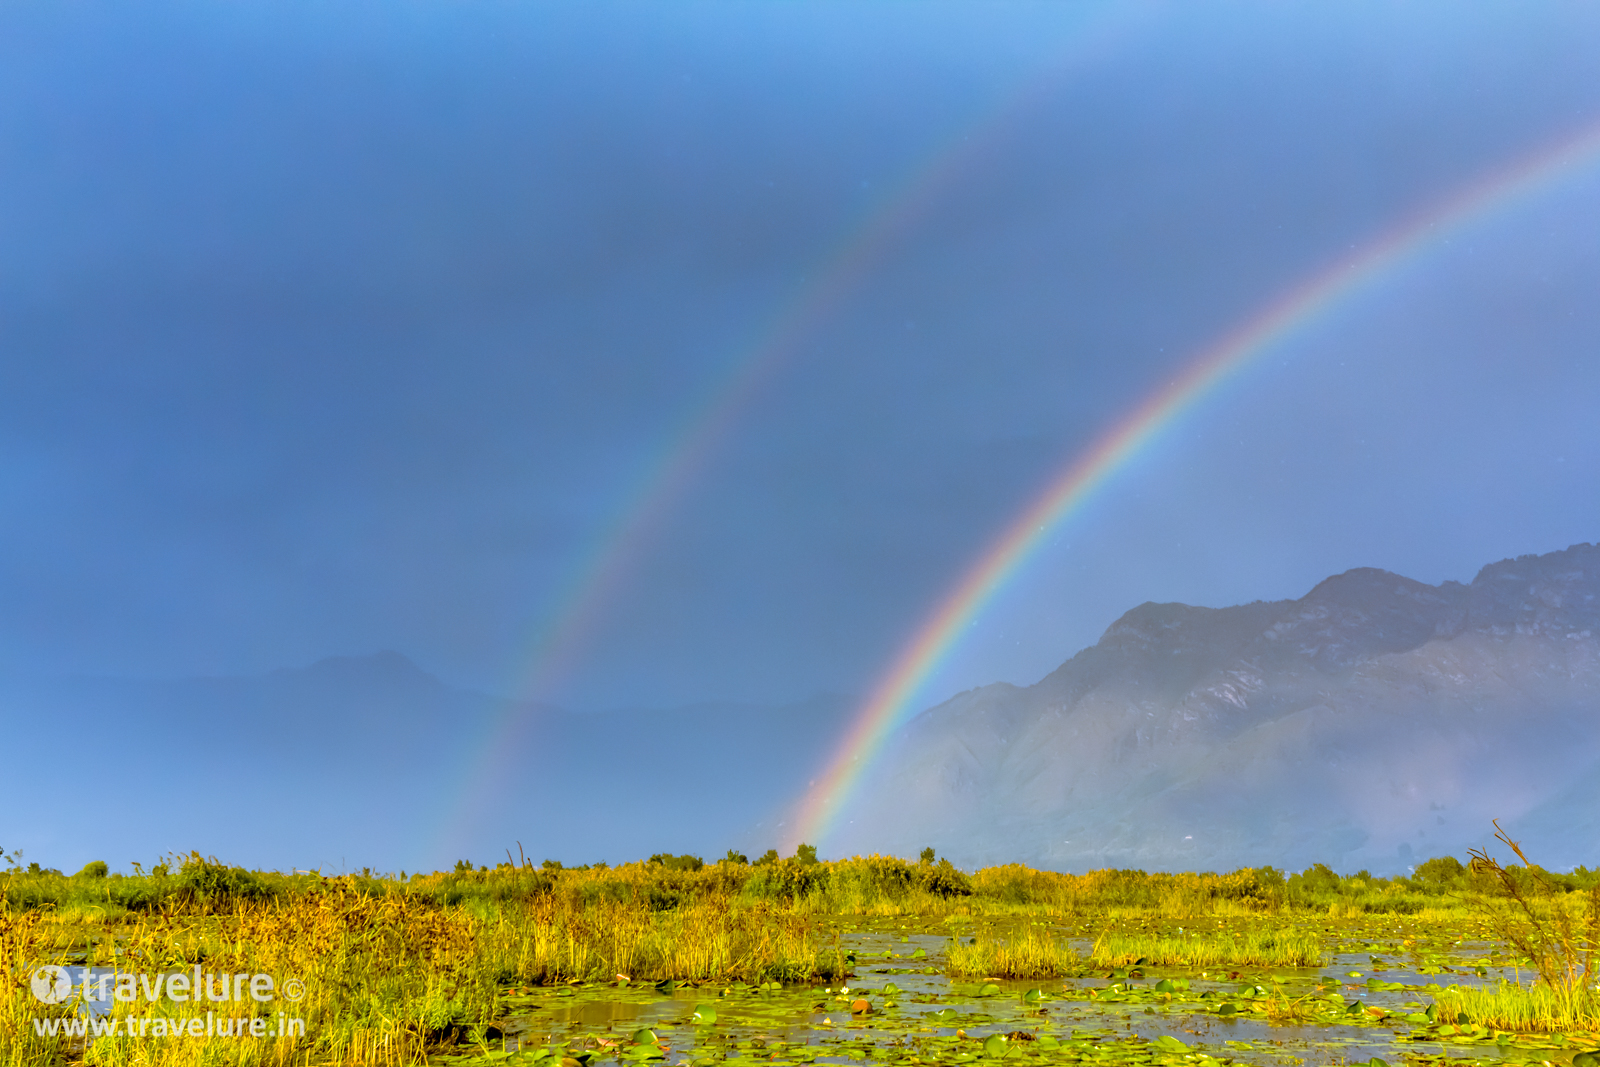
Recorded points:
890,699
578,608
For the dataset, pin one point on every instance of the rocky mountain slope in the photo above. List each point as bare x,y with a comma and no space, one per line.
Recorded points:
1372,723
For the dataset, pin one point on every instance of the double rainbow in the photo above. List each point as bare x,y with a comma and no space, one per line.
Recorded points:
568,626
890,700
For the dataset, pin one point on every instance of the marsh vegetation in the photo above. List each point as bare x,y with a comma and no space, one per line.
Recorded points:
791,960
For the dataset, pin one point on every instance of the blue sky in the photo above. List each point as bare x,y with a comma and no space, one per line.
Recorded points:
336,328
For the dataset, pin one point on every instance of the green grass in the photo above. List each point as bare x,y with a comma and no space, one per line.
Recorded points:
1253,948
400,967
1028,953
1522,1009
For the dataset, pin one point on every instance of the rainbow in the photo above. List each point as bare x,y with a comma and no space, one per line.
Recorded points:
578,609
891,698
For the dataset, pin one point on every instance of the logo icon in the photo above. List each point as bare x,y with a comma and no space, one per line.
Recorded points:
51,984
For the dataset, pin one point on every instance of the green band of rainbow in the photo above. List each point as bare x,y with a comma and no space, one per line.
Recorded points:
576,612
890,699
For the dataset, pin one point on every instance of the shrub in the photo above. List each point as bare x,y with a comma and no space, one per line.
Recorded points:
943,879
205,880
1441,872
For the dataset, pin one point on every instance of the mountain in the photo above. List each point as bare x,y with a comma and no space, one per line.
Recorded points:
367,760
1372,723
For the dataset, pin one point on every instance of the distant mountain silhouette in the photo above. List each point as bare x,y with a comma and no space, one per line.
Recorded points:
1372,723
362,761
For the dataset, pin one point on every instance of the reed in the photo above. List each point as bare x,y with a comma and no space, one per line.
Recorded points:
387,976
1536,1008
23,946
1254,948
557,939
397,967
1542,922
1029,953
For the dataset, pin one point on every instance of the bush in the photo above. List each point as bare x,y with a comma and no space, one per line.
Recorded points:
787,880
1319,878
943,879
207,881
1441,872
97,869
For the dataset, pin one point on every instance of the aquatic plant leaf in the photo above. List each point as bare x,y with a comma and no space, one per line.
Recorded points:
704,1014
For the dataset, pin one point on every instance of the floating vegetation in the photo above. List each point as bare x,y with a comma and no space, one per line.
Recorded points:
798,960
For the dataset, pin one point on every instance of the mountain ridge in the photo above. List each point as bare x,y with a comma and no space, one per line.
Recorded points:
1267,732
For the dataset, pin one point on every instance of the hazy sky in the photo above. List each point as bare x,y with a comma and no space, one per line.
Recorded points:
330,328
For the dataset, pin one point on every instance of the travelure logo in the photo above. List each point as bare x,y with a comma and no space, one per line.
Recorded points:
51,984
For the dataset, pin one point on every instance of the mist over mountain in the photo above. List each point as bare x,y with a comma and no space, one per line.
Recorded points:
364,761
1374,722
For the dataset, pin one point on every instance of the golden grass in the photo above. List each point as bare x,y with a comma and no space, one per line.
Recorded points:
1029,953
1522,1009
554,939
395,967
388,977
22,946
1254,948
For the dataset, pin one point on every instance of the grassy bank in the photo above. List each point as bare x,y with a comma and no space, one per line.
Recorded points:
866,886
395,966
